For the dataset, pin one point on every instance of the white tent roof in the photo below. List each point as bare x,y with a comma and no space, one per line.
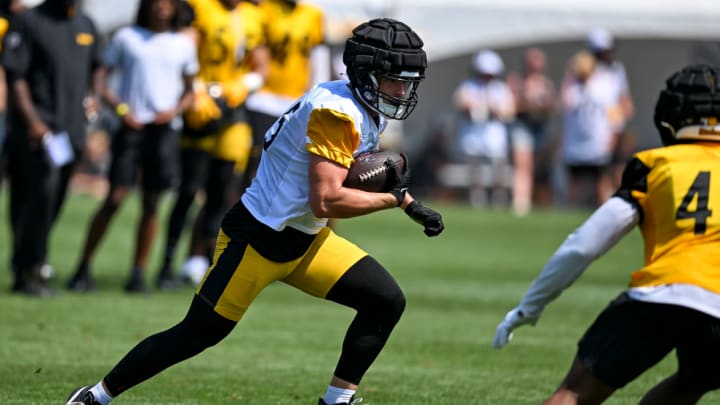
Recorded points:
453,27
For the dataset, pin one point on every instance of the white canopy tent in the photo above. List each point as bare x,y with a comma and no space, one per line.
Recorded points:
455,27
452,27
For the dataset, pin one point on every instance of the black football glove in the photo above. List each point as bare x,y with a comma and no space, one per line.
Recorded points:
427,217
397,183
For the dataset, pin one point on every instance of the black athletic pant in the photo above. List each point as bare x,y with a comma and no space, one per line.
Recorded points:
367,287
199,171
37,192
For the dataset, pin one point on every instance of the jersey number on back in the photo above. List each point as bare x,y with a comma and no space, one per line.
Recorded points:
701,188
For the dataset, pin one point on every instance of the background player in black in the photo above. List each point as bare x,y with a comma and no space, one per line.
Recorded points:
51,58
8,8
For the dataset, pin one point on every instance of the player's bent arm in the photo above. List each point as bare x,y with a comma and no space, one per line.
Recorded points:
330,199
188,95
106,91
605,227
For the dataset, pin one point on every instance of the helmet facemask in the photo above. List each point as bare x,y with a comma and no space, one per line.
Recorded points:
397,105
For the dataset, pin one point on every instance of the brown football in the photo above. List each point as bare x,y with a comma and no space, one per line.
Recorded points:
370,173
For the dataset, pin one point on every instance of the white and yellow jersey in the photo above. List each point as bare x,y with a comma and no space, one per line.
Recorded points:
328,121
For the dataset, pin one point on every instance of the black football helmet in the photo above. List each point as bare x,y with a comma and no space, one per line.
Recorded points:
384,48
689,106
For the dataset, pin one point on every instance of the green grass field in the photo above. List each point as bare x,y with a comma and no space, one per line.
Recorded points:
458,288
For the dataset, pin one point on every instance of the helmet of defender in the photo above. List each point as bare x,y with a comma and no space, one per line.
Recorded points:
381,49
688,109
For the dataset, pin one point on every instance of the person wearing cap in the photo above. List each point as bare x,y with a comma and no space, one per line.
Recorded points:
601,44
588,106
486,107
535,103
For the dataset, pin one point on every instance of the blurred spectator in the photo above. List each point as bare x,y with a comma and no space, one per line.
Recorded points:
4,25
486,108
217,137
589,108
51,57
90,177
157,65
601,44
535,103
299,58
8,8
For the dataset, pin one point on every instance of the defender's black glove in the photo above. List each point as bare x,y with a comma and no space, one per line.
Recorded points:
427,217
398,183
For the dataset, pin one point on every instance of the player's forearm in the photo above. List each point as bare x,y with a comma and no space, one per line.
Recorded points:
608,224
348,202
188,95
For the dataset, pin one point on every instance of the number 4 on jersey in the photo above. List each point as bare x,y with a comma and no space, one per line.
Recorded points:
701,188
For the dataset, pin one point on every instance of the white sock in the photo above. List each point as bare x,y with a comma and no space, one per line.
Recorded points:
100,394
335,395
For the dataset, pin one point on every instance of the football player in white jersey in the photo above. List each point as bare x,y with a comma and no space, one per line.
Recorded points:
278,232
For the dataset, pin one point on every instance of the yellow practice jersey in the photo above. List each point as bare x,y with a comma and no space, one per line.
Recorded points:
291,33
226,37
677,191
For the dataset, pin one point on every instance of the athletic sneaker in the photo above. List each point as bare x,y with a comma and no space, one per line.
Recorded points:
136,285
353,401
81,282
82,396
167,282
32,286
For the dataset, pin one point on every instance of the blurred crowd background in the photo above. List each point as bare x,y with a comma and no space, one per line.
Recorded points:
651,38
527,105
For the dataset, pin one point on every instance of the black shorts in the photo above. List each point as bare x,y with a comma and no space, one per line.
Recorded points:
194,169
589,172
631,336
151,153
